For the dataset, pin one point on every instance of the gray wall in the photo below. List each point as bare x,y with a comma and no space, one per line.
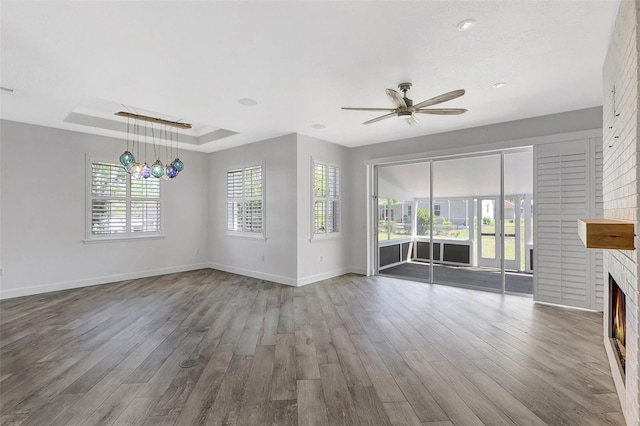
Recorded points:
244,255
322,256
44,207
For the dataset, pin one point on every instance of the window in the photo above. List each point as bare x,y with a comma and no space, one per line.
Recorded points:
326,199
119,206
436,209
245,201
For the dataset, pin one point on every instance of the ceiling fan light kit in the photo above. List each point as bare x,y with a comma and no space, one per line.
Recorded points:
405,109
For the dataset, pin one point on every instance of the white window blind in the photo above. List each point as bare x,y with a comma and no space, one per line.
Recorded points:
564,272
145,205
120,206
245,200
326,199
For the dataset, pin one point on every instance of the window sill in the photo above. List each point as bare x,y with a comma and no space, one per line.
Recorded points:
325,237
247,236
122,239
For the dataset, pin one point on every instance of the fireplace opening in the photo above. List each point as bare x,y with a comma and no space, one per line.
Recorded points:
618,321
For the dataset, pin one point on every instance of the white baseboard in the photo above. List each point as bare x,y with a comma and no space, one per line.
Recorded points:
106,279
67,285
280,279
285,280
359,271
324,276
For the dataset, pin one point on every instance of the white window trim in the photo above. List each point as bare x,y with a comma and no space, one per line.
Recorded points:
125,236
327,235
243,234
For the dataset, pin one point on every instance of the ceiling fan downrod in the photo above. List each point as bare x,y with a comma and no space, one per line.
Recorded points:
404,88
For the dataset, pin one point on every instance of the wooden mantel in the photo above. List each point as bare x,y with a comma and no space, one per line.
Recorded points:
607,233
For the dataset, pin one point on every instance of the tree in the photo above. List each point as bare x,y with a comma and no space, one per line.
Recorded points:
387,201
423,221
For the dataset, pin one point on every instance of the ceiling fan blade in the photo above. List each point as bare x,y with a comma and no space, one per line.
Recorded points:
440,98
373,120
397,98
370,109
441,111
412,120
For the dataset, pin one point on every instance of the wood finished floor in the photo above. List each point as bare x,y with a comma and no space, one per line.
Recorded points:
350,350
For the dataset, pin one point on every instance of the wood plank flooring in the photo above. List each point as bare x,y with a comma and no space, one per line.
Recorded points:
346,351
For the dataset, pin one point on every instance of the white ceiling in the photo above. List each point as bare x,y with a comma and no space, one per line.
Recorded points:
73,64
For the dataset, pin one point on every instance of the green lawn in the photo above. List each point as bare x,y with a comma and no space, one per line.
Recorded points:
489,243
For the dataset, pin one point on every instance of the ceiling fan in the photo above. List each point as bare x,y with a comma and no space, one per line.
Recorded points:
405,109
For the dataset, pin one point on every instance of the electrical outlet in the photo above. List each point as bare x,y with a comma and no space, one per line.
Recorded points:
263,258
1,272
321,258
198,251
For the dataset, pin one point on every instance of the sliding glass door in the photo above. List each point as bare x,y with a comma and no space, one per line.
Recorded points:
456,220
402,220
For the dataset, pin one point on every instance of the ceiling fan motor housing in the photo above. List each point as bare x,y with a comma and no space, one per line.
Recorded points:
404,114
404,87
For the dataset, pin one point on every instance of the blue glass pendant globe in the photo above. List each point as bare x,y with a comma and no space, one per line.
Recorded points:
171,171
178,164
127,158
157,169
146,171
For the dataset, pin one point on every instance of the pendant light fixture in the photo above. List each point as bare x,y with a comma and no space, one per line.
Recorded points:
141,170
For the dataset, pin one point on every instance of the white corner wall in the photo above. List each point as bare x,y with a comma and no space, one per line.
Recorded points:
43,215
273,258
287,255
321,257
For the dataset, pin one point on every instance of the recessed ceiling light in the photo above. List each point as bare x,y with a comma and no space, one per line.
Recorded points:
466,24
318,126
499,85
247,102
6,90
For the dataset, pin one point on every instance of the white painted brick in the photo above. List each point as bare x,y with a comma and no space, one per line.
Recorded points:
621,181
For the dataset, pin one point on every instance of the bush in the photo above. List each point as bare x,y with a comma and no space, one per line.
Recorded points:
486,220
423,221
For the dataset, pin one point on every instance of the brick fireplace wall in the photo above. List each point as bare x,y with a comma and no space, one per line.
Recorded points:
621,185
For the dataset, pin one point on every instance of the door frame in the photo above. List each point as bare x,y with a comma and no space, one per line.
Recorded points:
483,261
514,265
